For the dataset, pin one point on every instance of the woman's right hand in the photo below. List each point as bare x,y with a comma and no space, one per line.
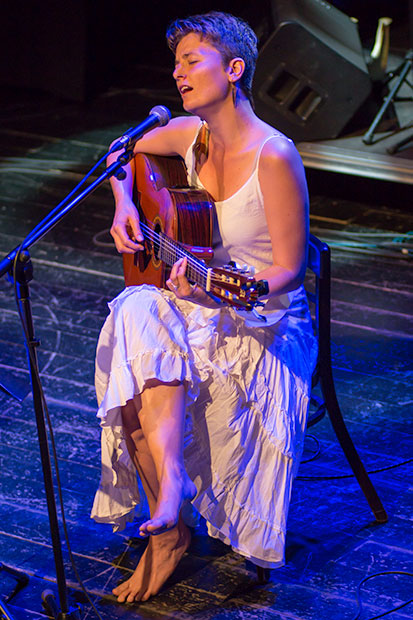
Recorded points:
125,228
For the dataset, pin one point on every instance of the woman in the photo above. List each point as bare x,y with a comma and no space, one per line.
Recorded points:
207,405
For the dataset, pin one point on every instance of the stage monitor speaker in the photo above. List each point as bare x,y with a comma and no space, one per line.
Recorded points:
311,76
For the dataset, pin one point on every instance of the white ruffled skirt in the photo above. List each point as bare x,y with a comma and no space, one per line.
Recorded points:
248,393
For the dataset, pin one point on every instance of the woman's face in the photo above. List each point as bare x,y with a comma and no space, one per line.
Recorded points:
200,75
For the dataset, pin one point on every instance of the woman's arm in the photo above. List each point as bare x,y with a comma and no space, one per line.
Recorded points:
284,188
173,139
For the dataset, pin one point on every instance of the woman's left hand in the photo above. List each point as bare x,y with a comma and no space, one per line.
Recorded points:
179,285
178,282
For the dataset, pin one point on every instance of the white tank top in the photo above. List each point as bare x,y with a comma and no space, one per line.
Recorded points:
241,234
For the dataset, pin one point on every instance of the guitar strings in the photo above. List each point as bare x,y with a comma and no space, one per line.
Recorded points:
172,250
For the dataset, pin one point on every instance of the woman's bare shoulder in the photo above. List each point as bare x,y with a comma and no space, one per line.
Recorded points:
278,150
281,166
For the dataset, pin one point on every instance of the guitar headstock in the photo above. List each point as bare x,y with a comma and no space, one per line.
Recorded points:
236,286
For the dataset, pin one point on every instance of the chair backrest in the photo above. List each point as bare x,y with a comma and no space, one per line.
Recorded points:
318,262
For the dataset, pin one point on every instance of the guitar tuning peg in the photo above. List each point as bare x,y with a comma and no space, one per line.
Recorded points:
230,266
248,270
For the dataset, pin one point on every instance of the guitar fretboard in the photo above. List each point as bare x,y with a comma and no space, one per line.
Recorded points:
168,251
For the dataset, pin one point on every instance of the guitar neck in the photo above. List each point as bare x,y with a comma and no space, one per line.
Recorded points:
169,251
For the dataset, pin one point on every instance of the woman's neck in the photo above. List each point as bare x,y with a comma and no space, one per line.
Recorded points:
231,125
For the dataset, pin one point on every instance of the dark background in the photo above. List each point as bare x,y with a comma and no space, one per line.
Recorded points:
79,48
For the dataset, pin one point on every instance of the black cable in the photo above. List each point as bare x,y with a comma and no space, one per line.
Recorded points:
385,613
52,440
373,471
317,451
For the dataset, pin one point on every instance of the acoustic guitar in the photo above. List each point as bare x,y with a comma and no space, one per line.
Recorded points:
177,221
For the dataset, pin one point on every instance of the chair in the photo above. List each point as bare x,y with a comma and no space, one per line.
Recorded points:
319,264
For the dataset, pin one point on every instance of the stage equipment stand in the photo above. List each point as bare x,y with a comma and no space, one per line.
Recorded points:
17,264
10,390
401,73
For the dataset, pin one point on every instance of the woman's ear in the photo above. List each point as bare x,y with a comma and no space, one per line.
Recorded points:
236,68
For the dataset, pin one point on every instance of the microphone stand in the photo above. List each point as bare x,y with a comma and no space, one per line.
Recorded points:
17,264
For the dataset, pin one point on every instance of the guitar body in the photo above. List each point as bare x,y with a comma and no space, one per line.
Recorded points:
176,222
167,205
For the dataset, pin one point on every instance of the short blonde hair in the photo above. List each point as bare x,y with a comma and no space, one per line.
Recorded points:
230,35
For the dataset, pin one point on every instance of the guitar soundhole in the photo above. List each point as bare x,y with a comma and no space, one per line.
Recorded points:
156,242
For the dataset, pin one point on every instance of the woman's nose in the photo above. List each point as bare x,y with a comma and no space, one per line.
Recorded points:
178,72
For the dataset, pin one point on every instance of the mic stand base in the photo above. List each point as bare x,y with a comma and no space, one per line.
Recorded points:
51,608
48,598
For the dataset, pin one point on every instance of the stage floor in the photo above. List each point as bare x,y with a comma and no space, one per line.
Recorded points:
349,155
333,541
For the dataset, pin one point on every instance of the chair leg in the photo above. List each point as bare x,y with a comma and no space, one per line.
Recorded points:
347,445
263,575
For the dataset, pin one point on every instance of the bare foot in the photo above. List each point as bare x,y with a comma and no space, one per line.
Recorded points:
135,586
174,490
159,561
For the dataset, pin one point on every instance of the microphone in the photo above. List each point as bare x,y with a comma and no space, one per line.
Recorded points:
159,115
